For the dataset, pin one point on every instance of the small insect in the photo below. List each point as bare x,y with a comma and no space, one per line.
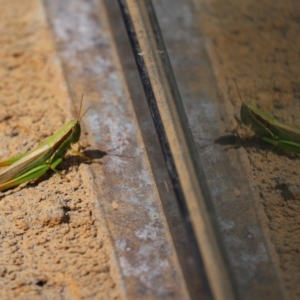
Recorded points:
47,155
268,128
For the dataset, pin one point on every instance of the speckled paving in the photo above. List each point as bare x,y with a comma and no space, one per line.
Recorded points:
53,244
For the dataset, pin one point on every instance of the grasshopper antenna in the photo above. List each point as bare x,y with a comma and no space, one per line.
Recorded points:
84,114
80,117
238,91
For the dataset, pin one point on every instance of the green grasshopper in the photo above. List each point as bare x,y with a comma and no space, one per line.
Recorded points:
268,128
47,155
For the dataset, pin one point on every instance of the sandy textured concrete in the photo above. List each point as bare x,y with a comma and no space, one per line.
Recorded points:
53,242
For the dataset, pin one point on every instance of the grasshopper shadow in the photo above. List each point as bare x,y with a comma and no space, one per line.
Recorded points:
233,141
95,154
73,160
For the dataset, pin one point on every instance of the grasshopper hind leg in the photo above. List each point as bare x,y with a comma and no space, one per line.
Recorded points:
34,174
284,145
53,168
28,176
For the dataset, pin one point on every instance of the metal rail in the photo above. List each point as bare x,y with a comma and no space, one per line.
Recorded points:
176,141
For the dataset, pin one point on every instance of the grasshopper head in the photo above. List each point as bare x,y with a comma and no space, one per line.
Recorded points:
75,125
246,113
76,132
